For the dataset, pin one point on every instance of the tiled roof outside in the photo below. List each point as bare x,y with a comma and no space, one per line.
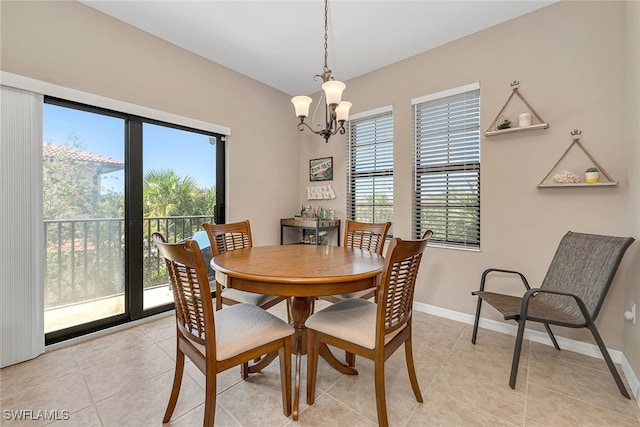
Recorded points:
52,150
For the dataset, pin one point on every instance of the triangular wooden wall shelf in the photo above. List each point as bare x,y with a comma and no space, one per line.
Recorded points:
575,135
491,130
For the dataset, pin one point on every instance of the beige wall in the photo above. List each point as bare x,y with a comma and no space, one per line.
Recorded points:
72,45
570,59
632,332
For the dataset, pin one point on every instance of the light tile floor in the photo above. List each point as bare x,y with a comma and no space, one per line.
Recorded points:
124,379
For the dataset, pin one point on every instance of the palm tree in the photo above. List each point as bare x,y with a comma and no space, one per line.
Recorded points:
167,194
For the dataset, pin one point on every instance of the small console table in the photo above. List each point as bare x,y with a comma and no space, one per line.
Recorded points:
310,231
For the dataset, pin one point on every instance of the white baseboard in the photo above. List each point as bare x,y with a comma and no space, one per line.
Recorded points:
539,337
631,377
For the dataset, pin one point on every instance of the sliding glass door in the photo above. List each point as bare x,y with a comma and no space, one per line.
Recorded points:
178,194
83,205
110,181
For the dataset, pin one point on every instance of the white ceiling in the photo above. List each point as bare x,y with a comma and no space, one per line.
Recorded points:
280,43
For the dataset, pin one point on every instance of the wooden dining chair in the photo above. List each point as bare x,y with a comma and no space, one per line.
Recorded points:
372,330
369,237
228,237
217,340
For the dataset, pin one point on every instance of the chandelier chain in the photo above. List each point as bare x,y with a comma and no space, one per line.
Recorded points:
336,110
326,37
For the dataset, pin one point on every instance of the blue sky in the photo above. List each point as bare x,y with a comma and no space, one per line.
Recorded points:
187,153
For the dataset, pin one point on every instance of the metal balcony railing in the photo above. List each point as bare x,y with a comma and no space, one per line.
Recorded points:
85,257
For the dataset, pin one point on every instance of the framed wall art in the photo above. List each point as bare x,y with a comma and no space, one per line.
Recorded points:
321,169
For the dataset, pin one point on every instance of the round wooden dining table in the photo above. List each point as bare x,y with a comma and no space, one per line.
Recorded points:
302,272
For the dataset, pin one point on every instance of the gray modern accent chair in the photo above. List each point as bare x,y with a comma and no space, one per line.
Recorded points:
570,295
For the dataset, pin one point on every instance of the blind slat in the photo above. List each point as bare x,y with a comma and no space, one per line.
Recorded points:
370,171
447,169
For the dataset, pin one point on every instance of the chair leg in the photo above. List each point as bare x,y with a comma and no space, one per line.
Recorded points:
284,354
516,352
218,296
244,370
350,358
475,324
313,348
381,400
210,400
607,358
553,338
175,390
408,352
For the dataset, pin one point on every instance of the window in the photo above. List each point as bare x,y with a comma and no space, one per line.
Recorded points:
370,167
111,179
447,166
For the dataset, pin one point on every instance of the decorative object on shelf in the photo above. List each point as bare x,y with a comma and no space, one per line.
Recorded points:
336,110
505,124
566,177
575,136
494,129
524,119
591,175
321,169
307,212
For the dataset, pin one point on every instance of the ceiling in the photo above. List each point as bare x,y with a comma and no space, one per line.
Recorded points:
281,43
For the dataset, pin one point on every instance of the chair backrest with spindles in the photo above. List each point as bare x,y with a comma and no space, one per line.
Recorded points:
367,236
397,285
228,237
191,290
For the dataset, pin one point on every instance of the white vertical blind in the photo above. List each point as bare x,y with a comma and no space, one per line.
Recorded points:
447,167
21,227
370,173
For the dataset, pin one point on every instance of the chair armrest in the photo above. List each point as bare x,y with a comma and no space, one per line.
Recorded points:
533,292
499,270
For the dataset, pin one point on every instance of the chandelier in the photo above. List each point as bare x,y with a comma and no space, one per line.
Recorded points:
336,111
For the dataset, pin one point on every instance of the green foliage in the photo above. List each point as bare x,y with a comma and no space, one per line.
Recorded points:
69,186
506,124
452,215
592,169
85,259
167,194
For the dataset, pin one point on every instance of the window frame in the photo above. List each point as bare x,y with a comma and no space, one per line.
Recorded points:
379,150
450,176
133,218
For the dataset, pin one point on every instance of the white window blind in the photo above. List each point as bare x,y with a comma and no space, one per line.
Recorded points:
22,244
447,167
370,168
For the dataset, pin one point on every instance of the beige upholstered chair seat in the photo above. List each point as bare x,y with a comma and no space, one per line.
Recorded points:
241,327
367,294
352,320
249,297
